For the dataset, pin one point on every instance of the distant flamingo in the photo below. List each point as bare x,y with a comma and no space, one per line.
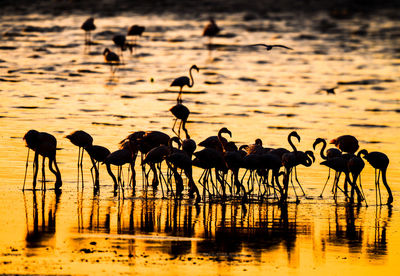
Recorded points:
330,153
211,30
88,26
121,43
44,144
379,161
346,143
111,59
180,112
135,30
182,81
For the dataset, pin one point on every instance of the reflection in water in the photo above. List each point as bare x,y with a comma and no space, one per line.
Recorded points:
41,223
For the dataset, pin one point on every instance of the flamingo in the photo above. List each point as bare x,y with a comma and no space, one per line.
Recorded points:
155,157
182,81
135,30
119,158
211,30
112,59
180,112
82,140
330,153
379,161
121,43
44,144
88,26
97,154
346,143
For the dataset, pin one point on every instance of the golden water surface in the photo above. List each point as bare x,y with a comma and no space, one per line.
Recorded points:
51,82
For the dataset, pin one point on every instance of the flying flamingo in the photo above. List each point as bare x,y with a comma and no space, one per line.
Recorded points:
330,153
88,26
182,81
180,112
44,144
379,161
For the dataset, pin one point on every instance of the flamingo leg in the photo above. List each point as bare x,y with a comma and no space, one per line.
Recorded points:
43,174
297,180
326,182
26,169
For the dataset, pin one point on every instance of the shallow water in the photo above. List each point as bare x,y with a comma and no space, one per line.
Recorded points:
51,82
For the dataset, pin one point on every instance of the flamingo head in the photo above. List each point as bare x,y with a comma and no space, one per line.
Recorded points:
317,141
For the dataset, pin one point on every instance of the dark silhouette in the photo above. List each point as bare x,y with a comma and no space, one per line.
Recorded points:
135,30
346,143
88,26
269,47
211,30
180,112
330,153
379,161
97,155
44,144
182,81
111,59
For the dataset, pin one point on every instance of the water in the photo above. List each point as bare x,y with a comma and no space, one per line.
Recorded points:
51,82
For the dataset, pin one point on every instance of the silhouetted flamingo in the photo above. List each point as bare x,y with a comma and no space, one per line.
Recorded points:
82,140
135,30
88,26
346,143
182,81
121,43
44,144
211,30
111,59
379,161
180,112
119,158
330,153
155,157
97,154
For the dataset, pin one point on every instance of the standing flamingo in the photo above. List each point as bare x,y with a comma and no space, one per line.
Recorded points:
379,161
180,112
97,154
111,59
44,144
88,26
346,143
82,140
211,30
135,30
121,43
182,81
330,153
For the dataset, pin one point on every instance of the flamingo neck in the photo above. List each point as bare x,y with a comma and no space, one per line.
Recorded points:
291,143
323,156
191,78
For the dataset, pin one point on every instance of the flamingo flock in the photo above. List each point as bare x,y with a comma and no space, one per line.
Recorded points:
249,172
